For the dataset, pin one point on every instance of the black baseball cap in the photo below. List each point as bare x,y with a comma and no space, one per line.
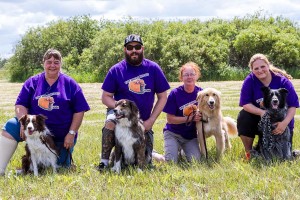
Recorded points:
133,38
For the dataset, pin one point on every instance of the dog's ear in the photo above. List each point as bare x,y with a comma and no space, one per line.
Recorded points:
199,96
265,89
117,103
283,91
41,117
133,106
218,93
23,119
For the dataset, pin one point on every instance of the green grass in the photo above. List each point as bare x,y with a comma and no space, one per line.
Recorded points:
230,178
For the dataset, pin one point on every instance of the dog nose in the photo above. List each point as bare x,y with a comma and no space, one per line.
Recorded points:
211,102
29,128
275,101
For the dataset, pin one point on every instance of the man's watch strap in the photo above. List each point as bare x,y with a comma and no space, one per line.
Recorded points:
72,132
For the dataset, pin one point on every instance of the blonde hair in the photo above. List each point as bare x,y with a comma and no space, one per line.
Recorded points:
274,69
191,64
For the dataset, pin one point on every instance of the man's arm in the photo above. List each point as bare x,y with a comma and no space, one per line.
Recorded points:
158,107
108,100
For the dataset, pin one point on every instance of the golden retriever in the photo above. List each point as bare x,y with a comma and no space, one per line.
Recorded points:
213,122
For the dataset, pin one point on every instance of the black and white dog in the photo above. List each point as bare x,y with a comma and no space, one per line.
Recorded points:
129,136
270,145
40,149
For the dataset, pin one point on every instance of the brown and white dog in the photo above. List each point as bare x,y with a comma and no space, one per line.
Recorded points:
40,148
129,136
213,122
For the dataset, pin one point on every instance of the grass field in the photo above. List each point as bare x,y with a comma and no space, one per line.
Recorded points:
231,178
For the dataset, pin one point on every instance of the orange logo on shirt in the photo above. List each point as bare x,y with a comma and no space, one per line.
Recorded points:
137,86
189,109
46,102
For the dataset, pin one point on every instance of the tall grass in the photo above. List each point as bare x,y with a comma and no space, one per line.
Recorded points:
230,178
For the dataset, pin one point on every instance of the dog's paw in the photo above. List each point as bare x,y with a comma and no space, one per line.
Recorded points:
116,169
139,170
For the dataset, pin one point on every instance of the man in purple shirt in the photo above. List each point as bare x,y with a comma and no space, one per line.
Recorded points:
137,79
263,73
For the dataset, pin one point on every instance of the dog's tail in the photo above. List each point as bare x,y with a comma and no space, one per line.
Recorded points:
232,128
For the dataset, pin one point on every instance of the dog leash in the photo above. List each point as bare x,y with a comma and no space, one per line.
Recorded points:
45,143
69,152
187,123
192,114
204,139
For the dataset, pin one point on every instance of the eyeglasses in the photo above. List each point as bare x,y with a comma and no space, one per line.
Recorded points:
136,47
189,74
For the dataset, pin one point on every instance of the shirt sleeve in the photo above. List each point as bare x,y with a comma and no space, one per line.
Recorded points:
161,82
109,84
171,105
246,92
25,94
79,102
292,97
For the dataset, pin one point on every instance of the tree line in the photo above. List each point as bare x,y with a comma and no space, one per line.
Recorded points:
222,48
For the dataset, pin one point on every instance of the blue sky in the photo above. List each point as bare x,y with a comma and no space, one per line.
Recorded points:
16,16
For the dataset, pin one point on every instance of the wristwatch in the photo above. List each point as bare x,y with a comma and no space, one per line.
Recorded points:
72,132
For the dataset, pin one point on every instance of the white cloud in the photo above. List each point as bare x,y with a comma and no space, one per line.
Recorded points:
17,16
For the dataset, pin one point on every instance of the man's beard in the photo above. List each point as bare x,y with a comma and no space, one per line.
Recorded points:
135,61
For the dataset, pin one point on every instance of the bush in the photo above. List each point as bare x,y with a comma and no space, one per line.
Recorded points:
222,48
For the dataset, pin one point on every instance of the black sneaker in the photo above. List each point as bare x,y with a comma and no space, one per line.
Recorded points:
101,167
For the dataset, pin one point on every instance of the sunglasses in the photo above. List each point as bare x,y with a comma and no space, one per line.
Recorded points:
136,47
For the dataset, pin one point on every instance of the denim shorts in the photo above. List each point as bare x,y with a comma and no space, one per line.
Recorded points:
12,126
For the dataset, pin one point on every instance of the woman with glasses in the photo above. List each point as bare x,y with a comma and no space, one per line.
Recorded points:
180,130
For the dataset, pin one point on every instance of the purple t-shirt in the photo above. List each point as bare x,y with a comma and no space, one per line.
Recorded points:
178,99
68,99
251,91
136,83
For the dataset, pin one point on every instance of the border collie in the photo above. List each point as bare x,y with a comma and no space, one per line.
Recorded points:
270,145
40,148
129,135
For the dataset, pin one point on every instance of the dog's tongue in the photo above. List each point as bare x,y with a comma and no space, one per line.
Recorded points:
119,116
30,132
274,106
211,107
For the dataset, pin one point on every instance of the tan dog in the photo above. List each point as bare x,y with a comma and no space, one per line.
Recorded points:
213,122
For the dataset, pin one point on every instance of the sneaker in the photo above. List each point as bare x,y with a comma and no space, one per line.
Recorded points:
101,167
296,153
251,154
19,171
247,156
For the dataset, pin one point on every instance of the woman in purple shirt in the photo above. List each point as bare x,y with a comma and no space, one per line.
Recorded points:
263,73
55,95
181,102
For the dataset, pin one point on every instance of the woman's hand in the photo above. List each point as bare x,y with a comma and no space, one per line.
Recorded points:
280,128
22,134
198,116
148,124
69,141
